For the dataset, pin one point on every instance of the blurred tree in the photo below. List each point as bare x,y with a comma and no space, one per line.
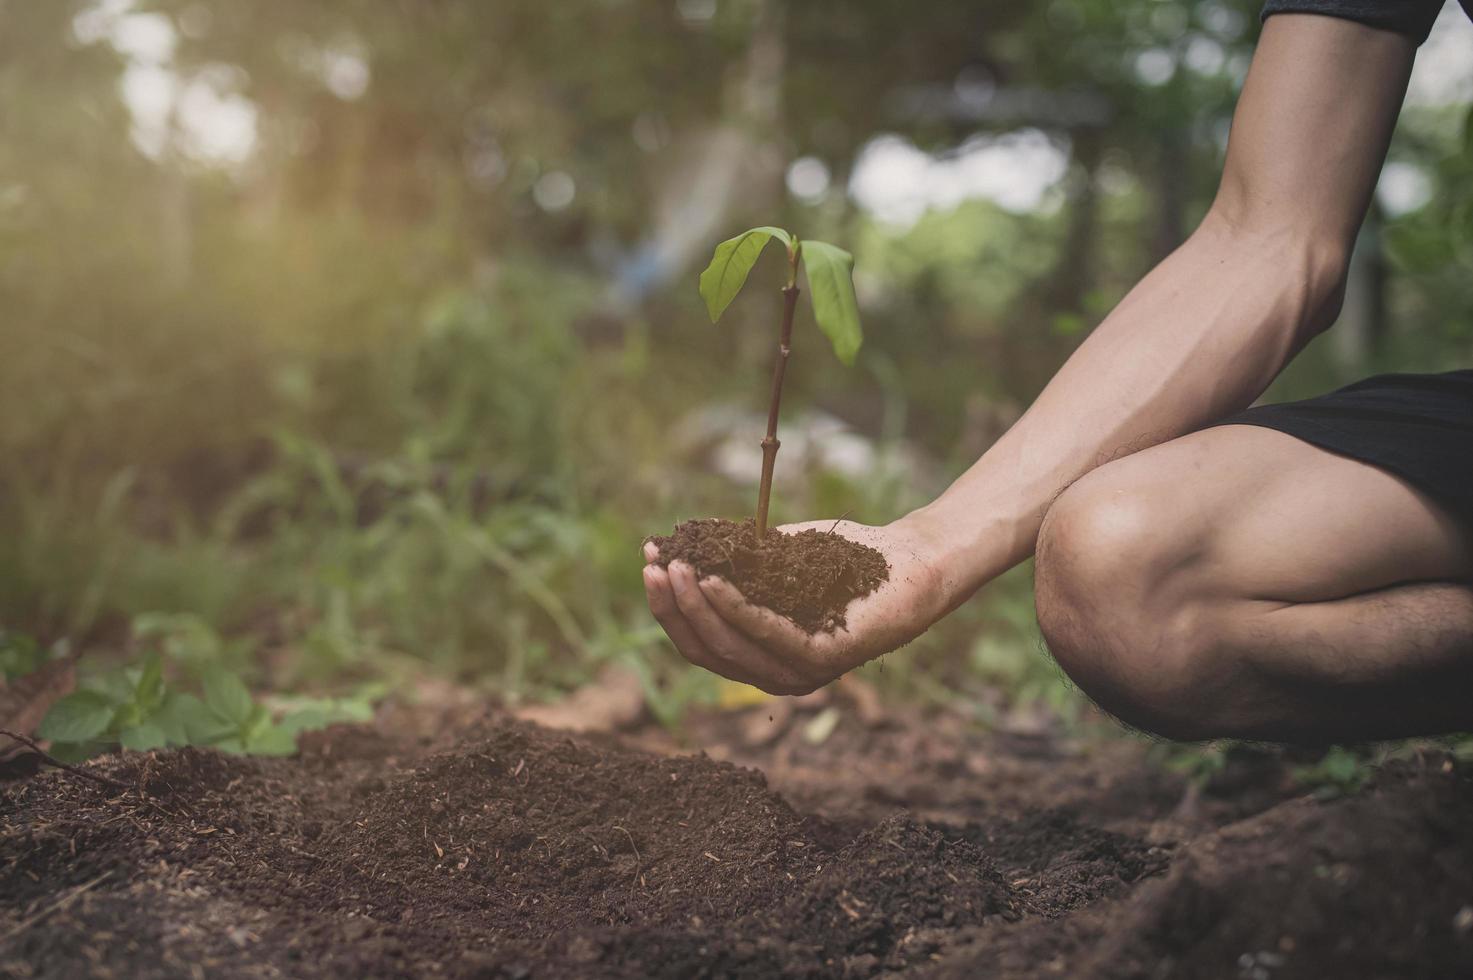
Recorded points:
450,234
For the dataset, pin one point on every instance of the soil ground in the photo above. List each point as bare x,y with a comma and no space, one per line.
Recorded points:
898,844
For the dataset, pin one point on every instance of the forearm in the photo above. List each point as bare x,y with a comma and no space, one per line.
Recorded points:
1209,328
1198,339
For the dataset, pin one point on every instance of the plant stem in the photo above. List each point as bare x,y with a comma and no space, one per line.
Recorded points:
51,760
770,442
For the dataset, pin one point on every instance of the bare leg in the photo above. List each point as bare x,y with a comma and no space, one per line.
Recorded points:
1240,582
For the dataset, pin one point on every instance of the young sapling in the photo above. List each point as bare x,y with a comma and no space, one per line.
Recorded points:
830,281
811,575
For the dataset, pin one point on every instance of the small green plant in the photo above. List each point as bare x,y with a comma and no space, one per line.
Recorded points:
1198,763
1339,772
134,707
830,280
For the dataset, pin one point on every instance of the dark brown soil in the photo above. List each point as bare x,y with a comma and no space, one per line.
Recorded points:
510,851
809,577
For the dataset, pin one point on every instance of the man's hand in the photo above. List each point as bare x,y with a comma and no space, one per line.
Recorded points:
713,626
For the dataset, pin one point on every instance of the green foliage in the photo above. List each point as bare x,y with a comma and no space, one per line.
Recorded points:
831,286
731,264
1200,763
135,707
189,640
362,408
830,272
1461,747
1340,771
19,655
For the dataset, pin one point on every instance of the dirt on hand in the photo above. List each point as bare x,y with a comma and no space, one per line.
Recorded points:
810,577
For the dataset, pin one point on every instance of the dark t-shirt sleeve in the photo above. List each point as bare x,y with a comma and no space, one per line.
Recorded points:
1410,17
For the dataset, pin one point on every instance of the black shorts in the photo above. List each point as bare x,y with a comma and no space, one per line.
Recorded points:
1417,426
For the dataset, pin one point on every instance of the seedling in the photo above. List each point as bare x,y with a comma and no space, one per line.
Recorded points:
830,281
135,708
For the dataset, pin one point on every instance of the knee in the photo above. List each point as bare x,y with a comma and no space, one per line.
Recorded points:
1116,609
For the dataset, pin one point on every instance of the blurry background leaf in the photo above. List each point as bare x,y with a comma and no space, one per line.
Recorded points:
143,737
78,717
25,700
227,696
337,351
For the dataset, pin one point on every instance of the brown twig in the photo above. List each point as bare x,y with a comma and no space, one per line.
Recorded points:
839,521
726,550
638,861
53,761
60,903
770,442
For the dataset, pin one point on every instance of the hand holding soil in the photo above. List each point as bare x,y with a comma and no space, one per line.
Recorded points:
790,609
713,625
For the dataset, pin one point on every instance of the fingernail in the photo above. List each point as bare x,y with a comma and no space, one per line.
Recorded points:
679,577
650,579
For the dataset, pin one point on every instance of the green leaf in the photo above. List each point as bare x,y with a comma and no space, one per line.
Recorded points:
82,716
77,751
19,655
170,718
305,720
186,720
126,716
184,637
271,740
259,725
142,738
729,267
227,696
831,284
149,692
313,714
113,686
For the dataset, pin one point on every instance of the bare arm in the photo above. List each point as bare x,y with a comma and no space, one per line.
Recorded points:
1197,339
1205,332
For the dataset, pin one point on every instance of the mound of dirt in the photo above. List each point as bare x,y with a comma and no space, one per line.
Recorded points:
587,836
882,903
809,577
516,852
521,849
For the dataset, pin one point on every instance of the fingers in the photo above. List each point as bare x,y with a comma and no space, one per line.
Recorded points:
737,655
774,632
650,552
719,638
661,598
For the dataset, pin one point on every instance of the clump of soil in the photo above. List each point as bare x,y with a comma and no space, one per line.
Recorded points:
810,577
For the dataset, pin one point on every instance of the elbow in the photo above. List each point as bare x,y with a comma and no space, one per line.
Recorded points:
1316,273
1325,306
1316,289
1307,265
